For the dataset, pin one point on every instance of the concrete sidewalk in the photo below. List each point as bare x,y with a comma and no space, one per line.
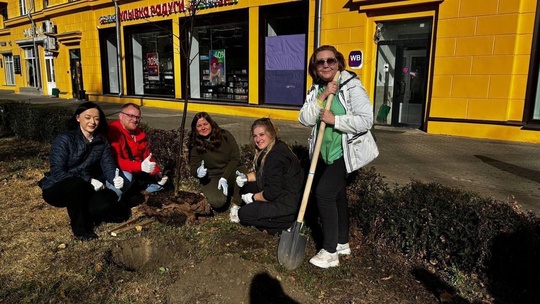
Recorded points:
497,169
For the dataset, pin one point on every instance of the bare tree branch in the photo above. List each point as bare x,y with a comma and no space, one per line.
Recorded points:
190,20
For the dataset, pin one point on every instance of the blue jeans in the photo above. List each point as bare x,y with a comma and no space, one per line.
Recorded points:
148,181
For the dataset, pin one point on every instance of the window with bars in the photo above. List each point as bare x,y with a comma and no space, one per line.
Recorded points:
9,69
23,9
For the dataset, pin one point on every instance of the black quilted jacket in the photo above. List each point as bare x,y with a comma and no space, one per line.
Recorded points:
281,179
72,156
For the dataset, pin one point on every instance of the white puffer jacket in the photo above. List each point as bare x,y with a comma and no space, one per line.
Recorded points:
358,118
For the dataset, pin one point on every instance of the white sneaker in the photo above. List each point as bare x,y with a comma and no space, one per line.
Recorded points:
234,214
325,259
343,249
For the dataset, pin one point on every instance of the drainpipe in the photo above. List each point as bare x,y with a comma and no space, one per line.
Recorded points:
37,80
318,18
118,50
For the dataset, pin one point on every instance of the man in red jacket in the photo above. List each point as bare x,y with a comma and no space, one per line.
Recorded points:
131,151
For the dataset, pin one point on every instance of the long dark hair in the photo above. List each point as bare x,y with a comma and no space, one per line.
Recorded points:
212,142
73,124
312,68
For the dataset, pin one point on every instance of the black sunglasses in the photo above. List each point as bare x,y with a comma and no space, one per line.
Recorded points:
330,61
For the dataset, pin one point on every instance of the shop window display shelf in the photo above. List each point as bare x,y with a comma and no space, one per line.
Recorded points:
235,87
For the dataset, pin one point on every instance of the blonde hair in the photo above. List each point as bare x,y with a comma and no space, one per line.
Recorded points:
269,128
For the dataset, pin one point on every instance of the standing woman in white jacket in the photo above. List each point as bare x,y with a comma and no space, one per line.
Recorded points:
350,115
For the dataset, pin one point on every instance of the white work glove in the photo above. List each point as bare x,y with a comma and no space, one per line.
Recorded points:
118,181
248,198
234,214
147,165
223,186
97,184
163,180
241,179
201,171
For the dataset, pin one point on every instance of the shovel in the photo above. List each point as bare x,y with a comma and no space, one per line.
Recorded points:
292,244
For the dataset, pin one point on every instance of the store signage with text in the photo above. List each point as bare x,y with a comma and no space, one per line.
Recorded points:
152,66
356,59
164,9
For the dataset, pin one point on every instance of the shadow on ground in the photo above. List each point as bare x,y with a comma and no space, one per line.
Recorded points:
265,289
514,268
510,168
440,289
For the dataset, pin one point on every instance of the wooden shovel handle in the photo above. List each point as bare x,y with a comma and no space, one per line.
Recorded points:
132,226
124,224
315,157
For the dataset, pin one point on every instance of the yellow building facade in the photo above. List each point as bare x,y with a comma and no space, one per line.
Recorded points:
457,67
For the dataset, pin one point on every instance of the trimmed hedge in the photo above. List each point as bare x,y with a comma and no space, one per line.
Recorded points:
32,121
448,230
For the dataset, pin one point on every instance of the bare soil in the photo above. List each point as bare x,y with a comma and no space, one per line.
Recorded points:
208,260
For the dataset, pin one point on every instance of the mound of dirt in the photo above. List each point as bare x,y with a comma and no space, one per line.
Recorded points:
183,208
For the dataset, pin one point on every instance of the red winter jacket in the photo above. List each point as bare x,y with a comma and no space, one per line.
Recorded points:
120,139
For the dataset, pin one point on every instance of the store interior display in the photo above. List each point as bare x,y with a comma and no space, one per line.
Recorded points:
223,61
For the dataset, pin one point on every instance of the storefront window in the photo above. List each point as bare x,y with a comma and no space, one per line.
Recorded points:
109,62
220,67
285,27
531,113
9,70
536,113
151,65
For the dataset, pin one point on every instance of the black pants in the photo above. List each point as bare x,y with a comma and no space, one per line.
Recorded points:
257,214
84,205
332,203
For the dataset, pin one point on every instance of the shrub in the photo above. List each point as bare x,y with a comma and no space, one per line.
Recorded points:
511,241
367,193
165,146
34,122
5,129
246,156
448,229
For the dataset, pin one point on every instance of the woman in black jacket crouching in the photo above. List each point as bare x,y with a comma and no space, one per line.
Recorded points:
79,157
275,183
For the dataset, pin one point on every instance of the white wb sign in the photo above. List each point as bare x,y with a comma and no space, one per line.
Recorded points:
356,59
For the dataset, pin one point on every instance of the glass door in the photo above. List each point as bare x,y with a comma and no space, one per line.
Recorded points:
51,78
401,74
76,74
410,87
384,87
32,75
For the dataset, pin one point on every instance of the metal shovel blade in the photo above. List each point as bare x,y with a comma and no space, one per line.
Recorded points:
292,247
